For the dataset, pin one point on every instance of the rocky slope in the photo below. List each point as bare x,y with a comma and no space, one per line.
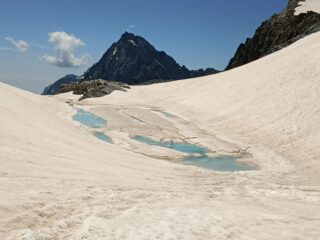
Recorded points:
133,60
54,88
276,33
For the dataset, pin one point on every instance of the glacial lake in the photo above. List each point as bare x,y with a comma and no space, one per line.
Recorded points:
89,119
219,163
92,121
181,147
197,155
102,136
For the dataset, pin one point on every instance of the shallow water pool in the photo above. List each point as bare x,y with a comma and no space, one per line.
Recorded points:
167,114
181,147
220,163
92,121
89,119
102,136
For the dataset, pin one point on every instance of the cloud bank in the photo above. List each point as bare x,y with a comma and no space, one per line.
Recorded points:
65,46
20,45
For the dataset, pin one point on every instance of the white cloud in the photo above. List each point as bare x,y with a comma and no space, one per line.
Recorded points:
20,45
65,46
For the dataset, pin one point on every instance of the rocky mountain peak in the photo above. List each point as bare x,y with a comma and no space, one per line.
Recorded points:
133,60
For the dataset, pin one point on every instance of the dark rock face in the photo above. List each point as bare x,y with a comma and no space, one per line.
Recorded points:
276,33
93,88
54,88
133,60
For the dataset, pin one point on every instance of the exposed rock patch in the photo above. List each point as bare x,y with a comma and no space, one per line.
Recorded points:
93,88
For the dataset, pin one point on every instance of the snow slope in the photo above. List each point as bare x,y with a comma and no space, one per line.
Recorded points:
59,182
308,5
272,103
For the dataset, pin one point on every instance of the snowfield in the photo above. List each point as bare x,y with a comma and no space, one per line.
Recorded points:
59,182
308,5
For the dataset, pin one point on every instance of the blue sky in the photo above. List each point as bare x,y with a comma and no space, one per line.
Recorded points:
198,34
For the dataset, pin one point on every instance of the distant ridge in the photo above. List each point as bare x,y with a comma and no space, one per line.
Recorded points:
54,88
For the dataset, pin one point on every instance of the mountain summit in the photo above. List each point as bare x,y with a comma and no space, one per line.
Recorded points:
133,60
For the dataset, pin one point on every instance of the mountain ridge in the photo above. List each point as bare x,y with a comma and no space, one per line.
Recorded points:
54,87
279,31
